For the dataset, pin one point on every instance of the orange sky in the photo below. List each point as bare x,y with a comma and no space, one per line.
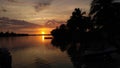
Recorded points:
40,11
49,13
44,30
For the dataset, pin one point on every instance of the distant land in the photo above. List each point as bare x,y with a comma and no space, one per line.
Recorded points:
12,34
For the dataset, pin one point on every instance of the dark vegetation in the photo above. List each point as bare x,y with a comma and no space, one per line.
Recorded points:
91,41
5,58
11,34
102,23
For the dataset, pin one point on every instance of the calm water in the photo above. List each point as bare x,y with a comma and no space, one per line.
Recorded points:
35,52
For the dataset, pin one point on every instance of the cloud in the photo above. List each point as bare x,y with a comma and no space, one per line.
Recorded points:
53,23
11,0
2,9
16,24
42,4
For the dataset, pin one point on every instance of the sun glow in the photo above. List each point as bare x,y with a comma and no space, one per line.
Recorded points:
43,32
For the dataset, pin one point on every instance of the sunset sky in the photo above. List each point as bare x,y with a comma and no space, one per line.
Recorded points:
41,11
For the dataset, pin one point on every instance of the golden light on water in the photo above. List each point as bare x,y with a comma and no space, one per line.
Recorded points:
44,31
43,38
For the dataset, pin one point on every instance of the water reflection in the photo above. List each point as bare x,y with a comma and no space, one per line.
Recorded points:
40,63
91,54
32,52
43,38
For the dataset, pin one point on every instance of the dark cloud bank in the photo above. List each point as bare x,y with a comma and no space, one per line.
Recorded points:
6,24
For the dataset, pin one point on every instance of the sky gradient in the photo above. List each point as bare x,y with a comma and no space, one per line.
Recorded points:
43,12
40,11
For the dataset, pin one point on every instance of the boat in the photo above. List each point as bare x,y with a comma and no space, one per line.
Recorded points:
48,37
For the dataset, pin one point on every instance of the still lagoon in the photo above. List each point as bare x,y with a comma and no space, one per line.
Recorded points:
35,52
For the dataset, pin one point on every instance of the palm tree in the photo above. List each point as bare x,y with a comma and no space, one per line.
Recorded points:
76,22
97,5
106,13
100,11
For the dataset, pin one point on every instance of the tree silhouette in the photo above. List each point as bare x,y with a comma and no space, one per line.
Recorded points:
101,11
76,27
103,22
76,21
105,13
95,33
